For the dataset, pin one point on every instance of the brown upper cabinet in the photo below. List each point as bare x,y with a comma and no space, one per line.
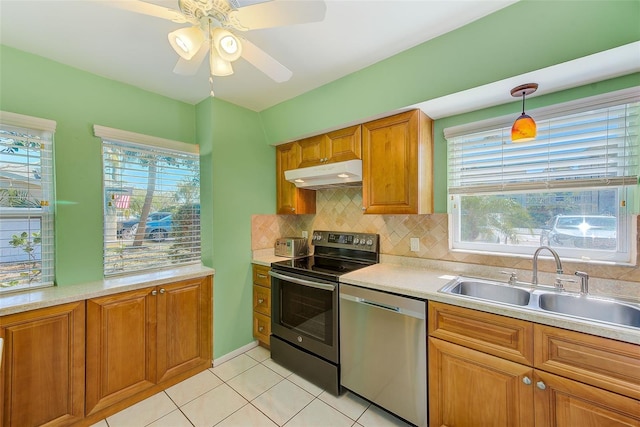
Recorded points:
336,146
289,198
397,164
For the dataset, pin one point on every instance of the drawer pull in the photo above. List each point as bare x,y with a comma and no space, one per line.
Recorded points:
162,291
262,276
260,328
260,300
154,292
526,380
541,385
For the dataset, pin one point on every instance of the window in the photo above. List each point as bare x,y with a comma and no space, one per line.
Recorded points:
571,188
26,202
151,202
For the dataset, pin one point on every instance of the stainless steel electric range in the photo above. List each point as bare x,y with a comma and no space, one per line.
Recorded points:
304,309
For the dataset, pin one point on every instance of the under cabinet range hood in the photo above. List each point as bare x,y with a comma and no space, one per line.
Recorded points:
339,174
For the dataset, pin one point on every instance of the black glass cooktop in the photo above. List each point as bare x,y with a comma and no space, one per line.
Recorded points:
320,265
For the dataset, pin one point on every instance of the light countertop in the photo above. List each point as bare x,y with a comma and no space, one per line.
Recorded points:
423,280
17,302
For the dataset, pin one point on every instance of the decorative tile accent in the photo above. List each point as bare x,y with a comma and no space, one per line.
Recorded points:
340,209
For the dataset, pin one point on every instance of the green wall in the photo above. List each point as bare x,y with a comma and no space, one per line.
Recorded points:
240,169
523,37
77,100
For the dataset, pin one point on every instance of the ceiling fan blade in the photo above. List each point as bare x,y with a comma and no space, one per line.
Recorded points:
190,67
279,13
149,9
264,62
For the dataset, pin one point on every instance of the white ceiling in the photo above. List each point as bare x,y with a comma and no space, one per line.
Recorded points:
132,48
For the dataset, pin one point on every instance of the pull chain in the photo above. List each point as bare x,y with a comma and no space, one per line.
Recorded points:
210,58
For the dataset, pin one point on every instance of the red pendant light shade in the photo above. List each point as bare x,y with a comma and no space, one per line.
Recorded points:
524,128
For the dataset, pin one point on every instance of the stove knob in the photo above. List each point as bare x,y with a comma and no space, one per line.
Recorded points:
369,242
356,241
362,242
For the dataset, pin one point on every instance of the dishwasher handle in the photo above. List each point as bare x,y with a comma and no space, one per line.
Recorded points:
392,308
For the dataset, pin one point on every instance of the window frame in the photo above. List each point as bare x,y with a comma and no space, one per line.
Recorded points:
44,131
144,144
626,189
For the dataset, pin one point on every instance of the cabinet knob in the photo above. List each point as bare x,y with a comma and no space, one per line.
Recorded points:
162,291
364,209
526,380
260,300
541,385
154,292
260,328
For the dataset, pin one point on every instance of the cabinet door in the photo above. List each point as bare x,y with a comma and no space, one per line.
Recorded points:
184,324
120,347
470,388
560,402
290,199
344,144
43,366
262,328
313,151
397,165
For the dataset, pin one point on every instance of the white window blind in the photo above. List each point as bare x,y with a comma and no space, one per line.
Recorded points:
26,202
151,202
593,148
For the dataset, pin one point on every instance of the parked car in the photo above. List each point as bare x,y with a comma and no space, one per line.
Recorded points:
580,231
157,229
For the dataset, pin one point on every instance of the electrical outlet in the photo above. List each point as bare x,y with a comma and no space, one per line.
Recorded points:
305,234
415,244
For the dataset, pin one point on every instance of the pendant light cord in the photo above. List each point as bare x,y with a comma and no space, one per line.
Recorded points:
523,95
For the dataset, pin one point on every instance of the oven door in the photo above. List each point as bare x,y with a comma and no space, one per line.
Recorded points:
304,312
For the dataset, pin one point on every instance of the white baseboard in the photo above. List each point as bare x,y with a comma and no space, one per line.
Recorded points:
234,353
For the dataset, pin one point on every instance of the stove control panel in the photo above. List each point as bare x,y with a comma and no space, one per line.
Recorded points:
346,240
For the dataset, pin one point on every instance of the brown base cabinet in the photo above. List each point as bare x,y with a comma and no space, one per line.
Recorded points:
571,379
262,305
42,374
77,363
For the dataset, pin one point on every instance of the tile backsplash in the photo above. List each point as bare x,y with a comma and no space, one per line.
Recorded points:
340,209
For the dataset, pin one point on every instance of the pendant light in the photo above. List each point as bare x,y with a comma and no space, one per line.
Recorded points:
524,128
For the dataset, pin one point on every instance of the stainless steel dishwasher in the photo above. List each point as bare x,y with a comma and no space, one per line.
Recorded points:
383,350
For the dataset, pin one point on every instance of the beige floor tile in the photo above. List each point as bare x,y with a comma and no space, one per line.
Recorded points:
259,353
304,384
213,406
319,414
255,381
269,363
348,403
173,419
193,387
283,401
144,412
246,416
376,417
101,423
234,367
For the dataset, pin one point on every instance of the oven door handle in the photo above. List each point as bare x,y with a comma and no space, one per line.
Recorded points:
311,284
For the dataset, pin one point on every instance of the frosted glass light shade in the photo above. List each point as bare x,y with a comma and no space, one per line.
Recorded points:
227,45
218,66
523,129
186,41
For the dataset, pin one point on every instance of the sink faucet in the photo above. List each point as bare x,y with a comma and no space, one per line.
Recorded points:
534,278
584,282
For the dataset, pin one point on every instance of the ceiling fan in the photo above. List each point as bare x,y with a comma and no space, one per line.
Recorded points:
214,29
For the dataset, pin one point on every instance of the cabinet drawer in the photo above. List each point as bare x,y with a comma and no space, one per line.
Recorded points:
262,300
262,328
602,362
511,339
261,275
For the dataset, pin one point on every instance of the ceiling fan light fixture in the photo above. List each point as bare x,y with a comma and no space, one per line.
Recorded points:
524,128
218,66
186,41
227,45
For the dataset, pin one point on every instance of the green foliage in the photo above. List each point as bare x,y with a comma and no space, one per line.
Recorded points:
17,198
28,244
489,218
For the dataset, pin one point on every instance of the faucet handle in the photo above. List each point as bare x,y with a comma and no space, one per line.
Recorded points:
559,284
513,278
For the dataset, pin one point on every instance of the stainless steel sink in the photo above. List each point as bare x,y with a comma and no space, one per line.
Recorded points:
490,291
590,308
